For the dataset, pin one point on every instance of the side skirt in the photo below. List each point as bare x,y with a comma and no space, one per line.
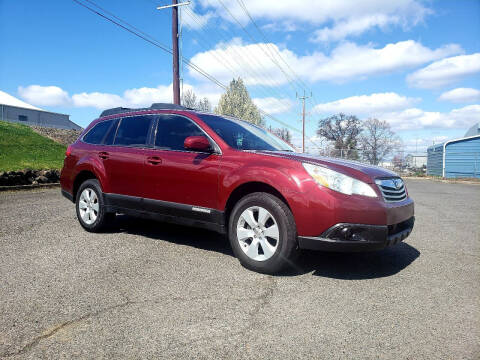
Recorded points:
171,212
67,195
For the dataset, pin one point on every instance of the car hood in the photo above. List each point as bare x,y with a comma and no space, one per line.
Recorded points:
355,169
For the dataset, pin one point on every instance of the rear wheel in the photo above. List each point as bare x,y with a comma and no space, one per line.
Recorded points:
262,233
90,207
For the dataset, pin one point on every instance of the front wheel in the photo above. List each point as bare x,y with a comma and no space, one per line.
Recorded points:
90,208
262,233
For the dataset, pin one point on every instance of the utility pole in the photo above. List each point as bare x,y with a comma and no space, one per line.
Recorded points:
175,35
176,67
303,98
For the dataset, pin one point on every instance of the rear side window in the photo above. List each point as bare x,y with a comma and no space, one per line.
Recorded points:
97,133
133,131
173,130
111,133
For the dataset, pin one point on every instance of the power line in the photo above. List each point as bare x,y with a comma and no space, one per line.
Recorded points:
148,38
225,60
303,85
268,42
243,6
254,40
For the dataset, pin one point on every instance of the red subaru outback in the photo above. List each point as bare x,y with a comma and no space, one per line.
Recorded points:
177,165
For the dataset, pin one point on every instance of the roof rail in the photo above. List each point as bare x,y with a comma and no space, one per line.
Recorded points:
155,106
168,106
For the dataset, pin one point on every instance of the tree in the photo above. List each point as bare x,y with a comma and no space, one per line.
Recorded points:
189,99
343,130
398,161
204,105
377,140
237,102
282,133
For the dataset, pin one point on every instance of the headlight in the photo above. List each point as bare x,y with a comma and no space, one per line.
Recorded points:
338,182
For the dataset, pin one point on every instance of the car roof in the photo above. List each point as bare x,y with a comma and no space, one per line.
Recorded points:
155,106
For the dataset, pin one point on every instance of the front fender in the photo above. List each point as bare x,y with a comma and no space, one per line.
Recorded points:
312,207
279,179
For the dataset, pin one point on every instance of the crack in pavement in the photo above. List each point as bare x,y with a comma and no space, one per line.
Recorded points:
262,297
57,328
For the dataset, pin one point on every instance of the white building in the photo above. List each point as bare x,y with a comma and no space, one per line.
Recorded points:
18,111
416,161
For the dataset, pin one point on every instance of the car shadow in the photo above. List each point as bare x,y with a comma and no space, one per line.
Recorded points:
357,266
345,266
176,234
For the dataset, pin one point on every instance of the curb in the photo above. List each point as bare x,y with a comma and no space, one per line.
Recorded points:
29,187
445,181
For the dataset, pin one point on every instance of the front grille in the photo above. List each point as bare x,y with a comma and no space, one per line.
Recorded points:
393,189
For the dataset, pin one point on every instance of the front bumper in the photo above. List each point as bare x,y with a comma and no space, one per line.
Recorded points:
358,237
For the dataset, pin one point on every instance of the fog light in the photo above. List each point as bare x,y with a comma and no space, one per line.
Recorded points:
356,237
345,233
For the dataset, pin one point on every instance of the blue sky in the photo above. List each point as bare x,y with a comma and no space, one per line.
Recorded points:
415,64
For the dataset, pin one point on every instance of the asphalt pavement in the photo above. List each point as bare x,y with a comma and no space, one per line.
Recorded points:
151,290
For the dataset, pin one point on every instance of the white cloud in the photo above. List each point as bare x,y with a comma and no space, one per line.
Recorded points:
274,105
286,26
355,26
194,20
399,112
346,61
461,95
420,144
318,12
414,118
97,100
445,71
44,95
367,104
346,20
146,96
136,97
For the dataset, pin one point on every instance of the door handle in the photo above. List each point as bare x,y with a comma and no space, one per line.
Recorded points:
103,155
154,160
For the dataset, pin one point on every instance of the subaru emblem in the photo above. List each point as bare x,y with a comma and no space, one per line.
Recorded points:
398,183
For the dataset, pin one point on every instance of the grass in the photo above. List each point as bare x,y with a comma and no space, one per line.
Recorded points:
22,148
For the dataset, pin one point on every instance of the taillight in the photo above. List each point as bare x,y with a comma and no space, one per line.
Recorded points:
69,150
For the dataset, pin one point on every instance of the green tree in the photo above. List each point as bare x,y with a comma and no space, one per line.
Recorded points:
282,133
189,99
236,102
343,131
204,105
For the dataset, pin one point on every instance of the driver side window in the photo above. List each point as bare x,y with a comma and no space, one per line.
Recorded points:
172,130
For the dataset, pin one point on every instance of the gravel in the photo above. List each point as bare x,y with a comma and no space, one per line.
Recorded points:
151,290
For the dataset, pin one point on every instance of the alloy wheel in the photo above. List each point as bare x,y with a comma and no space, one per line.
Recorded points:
88,206
258,233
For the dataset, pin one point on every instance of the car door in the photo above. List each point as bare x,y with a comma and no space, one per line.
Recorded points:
175,176
124,160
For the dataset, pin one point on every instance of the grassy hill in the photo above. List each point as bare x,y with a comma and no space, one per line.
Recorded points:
22,148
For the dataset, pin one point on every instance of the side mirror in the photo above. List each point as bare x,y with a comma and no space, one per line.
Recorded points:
197,143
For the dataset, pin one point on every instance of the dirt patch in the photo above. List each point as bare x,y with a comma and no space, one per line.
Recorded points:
62,136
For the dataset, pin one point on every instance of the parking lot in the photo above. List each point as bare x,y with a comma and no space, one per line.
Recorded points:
151,290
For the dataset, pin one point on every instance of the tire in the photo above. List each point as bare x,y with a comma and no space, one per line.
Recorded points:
264,211
91,214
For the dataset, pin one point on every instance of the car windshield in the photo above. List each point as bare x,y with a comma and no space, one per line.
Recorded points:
242,135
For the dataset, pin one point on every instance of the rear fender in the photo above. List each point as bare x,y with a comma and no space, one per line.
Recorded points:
95,166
